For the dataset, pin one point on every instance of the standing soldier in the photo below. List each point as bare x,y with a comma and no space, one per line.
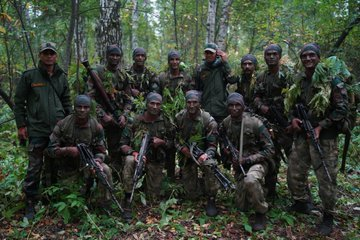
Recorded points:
174,80
161,131
117,85
269,103
247,131
79,128
194,125
247,79
211,79
326,125
42,98
144,78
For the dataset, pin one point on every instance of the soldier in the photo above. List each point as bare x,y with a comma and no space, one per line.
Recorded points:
269,103
326,130
174,80
244,129
211,79
153,122
118,86
42,98
247,80
196,125
144,78
78,128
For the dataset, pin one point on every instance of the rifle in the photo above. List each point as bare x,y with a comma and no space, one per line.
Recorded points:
278,117
311,132
88,158
109,107
145,142
345,150
234,152
196,152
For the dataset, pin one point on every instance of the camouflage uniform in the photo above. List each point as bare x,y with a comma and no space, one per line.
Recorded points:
40,101
68,134
203,127
258,147
246,87
144,81
155,157
118,86
304,155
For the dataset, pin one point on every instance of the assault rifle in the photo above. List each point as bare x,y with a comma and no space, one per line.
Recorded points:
196,152
277,117
89,160
234,152
145,142
109,107
311,132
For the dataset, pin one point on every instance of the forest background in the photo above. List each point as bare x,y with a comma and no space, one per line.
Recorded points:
83,28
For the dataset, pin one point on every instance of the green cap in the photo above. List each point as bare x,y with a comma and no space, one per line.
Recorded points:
46,46
212,47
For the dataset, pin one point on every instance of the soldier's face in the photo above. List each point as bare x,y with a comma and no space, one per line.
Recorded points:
248,67
192,106
209,56
153,107
82,111
113,59
140,59
174,63
309,59
235,110
48,57
272,58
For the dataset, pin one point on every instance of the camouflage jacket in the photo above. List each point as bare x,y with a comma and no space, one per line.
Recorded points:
332,120
67,133
202,130
246,88
145,81
184,81
118,87
257,143
41,100
211,81
160,128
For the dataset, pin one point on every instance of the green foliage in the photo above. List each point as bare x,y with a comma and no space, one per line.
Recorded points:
173,104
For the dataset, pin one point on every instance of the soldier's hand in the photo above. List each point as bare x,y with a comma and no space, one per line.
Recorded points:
122,121
157,142
107,120
135,155
222,54
98,163
245,161
22,133
264,109
317,131
72,152
186,152
203,158
295,125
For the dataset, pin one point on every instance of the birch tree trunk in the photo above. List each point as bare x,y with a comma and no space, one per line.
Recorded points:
108,29
175,25
224,25
69,38
210,23
135,25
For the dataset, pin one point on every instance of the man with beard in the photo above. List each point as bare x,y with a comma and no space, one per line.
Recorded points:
244,129
161,131
144,78
194,125
211,80
42,98
75,129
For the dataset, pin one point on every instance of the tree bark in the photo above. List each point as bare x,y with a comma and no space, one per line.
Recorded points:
135,25
210,23
175,24
108,29
69,37
224,25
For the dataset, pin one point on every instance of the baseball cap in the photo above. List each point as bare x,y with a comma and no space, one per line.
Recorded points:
212,47
46,46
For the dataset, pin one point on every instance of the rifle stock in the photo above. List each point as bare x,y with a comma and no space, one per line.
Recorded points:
88,158
311,132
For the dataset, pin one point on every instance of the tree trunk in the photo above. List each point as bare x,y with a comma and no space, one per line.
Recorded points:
135,25
197,32
108,29
224,25
210,23
175,25
69,38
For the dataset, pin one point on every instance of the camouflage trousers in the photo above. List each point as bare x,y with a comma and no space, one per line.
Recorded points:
191,183
302,157
250,192
153,178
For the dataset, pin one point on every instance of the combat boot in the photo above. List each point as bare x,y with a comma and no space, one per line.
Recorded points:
301,207
260,222
210,209
29,210
326,226
127,215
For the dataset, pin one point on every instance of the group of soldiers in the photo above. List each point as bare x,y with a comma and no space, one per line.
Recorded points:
248,130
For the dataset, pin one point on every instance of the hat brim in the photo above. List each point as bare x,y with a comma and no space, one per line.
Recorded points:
210,49
48,48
